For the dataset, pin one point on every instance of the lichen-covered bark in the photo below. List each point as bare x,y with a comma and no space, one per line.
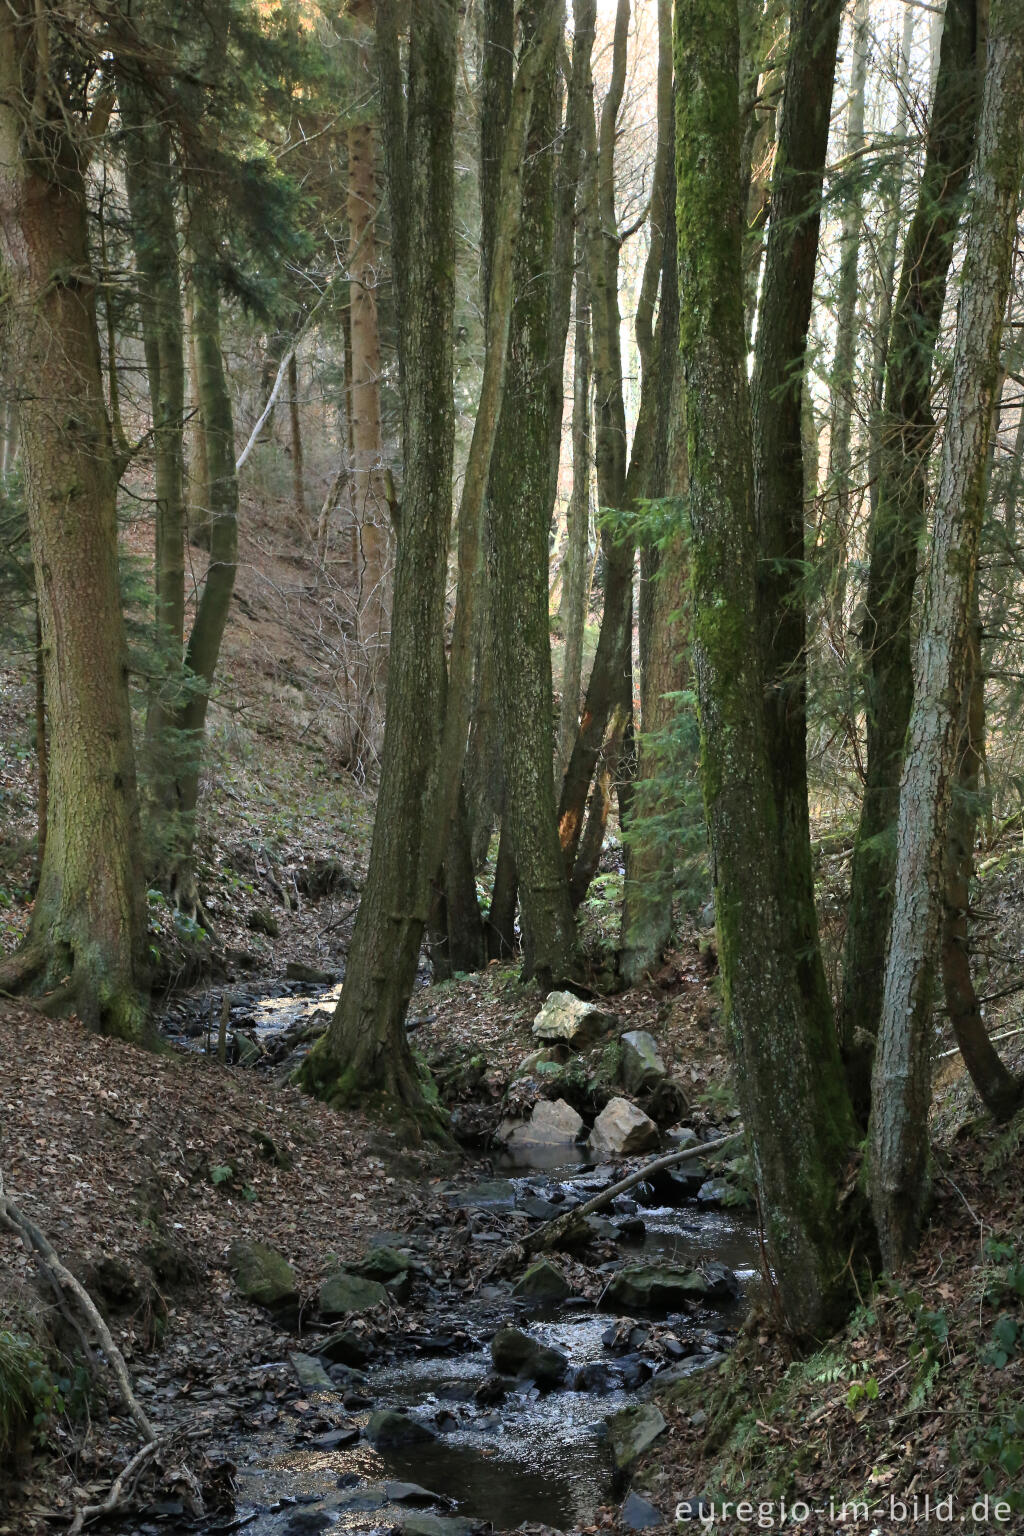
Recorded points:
795,1108
902,1078
895,532
365,1054
88,925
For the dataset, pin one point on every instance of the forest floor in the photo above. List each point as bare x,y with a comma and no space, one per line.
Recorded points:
145,1167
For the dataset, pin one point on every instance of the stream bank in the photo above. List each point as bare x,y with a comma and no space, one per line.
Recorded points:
424,1424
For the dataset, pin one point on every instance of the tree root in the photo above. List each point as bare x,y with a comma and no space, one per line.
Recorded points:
34,1239
548,1235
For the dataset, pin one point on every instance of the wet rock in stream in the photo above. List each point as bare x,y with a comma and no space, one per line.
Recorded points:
516,1353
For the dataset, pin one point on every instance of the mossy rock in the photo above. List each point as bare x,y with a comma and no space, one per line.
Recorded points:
343,1293
382,1264
262,1274
631,1431
387,1428
543,1282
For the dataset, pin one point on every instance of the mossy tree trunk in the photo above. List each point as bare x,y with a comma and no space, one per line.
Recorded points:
88,926
895,532
776,403
365,1053
520,509
797,1115
901,1080
373,600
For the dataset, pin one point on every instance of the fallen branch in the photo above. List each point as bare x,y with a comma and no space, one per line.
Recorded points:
113,1499
36,1240
547,1236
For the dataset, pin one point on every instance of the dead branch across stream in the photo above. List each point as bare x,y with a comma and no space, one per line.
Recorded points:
548,1235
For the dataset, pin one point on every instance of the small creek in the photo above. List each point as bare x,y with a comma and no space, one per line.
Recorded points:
532,1456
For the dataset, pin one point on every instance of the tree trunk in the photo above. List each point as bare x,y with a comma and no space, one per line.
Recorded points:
88,922
664,658
776,401
573,607
1000,1092
895,532
839,484
365,1055
609,692
483,780
795,1109
369,491
902,1071
203,650
520,507
150,186
295,425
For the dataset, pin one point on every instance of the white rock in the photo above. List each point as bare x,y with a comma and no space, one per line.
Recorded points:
551,1125
569,1018
621,1129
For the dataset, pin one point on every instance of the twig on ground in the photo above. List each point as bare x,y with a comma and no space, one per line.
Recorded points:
24,1227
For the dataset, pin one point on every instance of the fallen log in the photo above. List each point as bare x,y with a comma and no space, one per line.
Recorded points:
548,1235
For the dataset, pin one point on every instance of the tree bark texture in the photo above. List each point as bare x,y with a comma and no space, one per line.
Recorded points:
999,1090
795,1109
776,398
520,505
373,597
902,1076
365,1054
895,532
88,922
839,485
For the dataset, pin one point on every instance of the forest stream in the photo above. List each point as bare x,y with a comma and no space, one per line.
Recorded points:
470,1448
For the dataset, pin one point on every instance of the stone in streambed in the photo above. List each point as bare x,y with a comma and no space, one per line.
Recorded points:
343,1293
421,1524
568,1018
553,1123
515,1353
622,1129
262,1274
311,1374
656,1287
631,1431
388,1428
542,1282
345,1348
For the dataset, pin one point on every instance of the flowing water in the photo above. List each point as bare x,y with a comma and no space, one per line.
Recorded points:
533,1456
